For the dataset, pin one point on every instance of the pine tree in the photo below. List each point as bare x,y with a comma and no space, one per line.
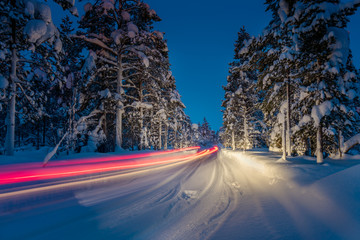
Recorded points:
30,21
328,77
298,58
145,87
68,87
115,32
242,118
231,113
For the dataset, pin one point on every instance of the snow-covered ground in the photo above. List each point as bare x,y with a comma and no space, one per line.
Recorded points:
294,200
233,195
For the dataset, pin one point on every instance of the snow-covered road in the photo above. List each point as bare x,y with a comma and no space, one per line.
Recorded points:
228,196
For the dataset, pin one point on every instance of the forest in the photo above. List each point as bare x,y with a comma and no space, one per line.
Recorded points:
102,84
105,83
295,88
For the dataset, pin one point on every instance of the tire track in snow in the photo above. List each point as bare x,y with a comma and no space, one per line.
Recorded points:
140,196
199,215
187,202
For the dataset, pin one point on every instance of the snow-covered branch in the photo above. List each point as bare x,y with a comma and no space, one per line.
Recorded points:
96,42
351,143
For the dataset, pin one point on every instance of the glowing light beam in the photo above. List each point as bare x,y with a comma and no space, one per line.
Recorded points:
97,165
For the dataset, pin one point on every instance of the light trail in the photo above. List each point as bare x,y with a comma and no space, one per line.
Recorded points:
27,166
106,164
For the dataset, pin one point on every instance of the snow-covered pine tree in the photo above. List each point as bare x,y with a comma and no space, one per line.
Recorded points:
229,120
159,70
67,88
247,95
29,21
231,113
329,87
195,134
173,116
146,86
115,31
176,119
242,118
207,136
277,73
186,133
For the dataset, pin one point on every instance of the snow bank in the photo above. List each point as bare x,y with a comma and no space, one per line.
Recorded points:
259,168
339,192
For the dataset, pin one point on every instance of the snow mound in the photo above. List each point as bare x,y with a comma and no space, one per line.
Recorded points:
236,185
189,194
343,185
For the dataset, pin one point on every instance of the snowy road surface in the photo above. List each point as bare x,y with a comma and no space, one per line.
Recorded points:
224,196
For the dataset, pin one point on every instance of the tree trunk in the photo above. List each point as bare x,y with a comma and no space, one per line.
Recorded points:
44,132
37,135
150,131
233,139
142,130
160,135
246,133
10,123
341,144
288,126
166,136
70,137
284,140
19,136
119,107
319,146
175,139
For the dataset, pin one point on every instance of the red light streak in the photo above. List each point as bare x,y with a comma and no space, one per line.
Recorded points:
96,165
27,166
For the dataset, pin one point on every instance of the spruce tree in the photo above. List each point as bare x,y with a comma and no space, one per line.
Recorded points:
115,33
29,22
242,118
328,78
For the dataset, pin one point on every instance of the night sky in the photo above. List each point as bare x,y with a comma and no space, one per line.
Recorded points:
201,36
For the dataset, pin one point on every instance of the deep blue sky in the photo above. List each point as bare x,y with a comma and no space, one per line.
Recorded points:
201,35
